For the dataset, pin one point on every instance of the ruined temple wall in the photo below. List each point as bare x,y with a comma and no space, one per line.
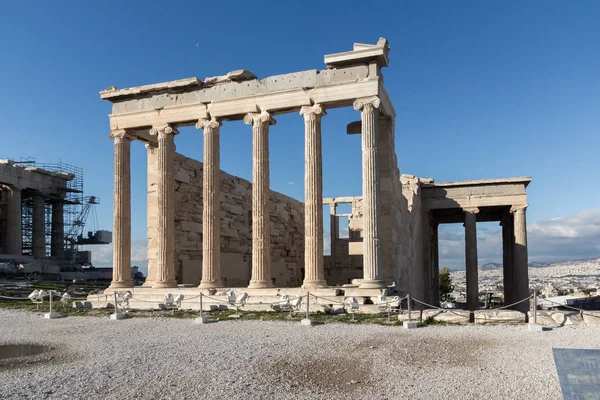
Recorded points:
287,228
341,267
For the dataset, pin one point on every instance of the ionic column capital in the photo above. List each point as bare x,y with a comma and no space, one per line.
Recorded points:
521,207
119,134
470,210
311,113
208,124
366,103
163,130
259,118
151,147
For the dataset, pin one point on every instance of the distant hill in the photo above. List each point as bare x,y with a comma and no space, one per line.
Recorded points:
535,264
490,266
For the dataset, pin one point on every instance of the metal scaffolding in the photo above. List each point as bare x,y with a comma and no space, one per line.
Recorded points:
73,204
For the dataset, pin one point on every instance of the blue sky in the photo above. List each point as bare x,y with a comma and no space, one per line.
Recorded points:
482,90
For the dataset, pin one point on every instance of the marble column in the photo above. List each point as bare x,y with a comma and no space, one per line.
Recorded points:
14,232
261,232
122,210
372,255
507,262
165,274
314,270
211,209
520,257
57,237
471,258
38,234
152,217
434,262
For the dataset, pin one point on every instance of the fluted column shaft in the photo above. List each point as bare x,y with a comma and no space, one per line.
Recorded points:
211,209
261,232
122,210
471,258
372,255
165,277
57,237
314,270
14,233
520,257
38,234
152,215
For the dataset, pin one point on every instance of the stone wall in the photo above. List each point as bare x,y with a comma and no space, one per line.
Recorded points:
341,267
287,228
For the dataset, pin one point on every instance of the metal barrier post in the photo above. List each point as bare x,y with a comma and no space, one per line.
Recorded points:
307,304
200,304
307,321
534,327
202,319
116,315
409,324
535,306
50,315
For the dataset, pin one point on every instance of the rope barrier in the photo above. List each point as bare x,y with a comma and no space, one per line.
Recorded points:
473,312
513,304
329,300
14,298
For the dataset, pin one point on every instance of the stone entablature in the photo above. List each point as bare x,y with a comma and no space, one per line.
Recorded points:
23,177
184,101
477,193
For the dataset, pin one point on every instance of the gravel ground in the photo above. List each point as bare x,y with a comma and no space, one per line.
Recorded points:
164,358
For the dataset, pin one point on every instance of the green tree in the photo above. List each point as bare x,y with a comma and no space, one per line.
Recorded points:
445,284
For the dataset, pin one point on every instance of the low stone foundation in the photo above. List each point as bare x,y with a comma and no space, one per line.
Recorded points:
554,319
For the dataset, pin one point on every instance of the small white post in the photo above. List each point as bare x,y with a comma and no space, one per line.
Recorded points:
410,324
117,314
534,327
307,321
202,319
50,315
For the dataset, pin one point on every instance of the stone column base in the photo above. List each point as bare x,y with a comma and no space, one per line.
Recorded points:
164,285
314,284
372,284
260,284
120,285
211,284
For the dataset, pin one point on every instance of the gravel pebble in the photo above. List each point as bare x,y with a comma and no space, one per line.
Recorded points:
166,358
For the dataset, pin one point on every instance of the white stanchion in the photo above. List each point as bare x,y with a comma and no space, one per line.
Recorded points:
50,315
410,324
202,319
307,321
534,327
117,315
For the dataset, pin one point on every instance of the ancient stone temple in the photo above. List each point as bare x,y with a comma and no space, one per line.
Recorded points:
210,231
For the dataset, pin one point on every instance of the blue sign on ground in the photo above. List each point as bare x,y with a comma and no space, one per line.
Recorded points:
579,373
